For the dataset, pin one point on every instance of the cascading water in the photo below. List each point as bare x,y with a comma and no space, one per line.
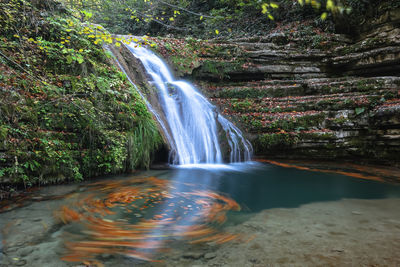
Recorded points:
192,120
149,106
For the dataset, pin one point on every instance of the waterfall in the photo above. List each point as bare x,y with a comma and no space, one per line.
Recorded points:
149,106
192,120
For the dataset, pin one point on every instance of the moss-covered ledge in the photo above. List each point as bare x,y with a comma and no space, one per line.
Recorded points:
67,113
293,100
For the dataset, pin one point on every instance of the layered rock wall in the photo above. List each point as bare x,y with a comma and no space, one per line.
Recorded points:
319,95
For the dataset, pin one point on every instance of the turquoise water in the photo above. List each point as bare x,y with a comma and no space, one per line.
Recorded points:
260,186
130,219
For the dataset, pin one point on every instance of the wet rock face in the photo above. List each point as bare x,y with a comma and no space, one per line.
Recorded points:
376,50
134,69
319,95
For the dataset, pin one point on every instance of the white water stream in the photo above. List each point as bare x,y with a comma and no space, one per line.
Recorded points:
194,122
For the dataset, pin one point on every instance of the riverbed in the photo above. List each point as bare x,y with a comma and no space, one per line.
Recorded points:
249,214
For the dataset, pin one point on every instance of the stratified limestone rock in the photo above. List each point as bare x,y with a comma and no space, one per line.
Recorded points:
315,96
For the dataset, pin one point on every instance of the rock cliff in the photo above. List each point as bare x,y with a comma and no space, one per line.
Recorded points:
302,93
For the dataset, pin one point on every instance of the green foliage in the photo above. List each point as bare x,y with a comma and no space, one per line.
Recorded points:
359,110
66,113
207,18
333,6
199,18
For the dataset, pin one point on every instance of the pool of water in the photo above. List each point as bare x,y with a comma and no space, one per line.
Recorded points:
158,215
259,186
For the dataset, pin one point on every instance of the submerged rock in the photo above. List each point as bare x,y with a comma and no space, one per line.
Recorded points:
210,255
25,251
193,255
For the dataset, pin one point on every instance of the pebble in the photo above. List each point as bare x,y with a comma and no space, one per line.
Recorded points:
193,255
356,213
56,234
12,249
25,251
254,260
105,256
210,255
20,263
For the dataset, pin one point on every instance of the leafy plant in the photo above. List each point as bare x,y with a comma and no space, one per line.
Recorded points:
359,110
67,114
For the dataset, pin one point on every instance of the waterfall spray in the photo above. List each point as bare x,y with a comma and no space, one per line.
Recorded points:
193,121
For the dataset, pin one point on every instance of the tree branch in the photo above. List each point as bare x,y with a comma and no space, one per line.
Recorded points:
19,66
161,23
183,9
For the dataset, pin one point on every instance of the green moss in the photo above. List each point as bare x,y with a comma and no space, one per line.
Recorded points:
246,92
241,106
289,124
365,85
286,141
182,55
219,69
76,119
340,120
254,92
317,136
184,65
274,140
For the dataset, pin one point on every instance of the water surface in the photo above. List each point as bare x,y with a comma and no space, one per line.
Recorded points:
263,186
140,217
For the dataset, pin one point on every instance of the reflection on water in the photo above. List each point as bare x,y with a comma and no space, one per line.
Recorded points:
257,186
142,217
